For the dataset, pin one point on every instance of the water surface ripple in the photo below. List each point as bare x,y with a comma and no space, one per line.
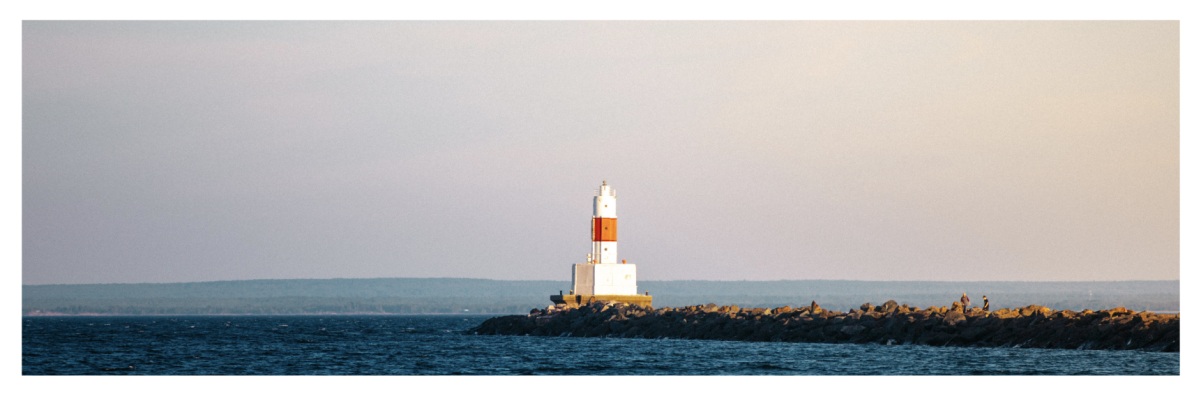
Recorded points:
435,345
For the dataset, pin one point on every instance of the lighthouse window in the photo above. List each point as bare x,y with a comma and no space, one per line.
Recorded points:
605,249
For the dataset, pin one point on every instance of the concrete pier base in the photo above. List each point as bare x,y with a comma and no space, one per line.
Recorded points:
577,300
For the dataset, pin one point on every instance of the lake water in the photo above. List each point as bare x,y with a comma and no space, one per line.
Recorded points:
435,345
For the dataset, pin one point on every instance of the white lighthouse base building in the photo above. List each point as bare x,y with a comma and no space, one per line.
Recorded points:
603,283
604,279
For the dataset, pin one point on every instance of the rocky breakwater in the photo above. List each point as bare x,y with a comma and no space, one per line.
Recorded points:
1029,327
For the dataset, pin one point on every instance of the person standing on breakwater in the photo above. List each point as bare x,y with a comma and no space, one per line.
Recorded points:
966,302
985,304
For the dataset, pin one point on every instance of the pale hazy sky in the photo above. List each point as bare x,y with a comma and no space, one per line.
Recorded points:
195,151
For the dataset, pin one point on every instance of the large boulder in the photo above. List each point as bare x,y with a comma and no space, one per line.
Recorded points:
865,307
890,306
954,317
1036,309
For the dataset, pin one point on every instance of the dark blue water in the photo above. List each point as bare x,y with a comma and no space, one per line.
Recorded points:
435,345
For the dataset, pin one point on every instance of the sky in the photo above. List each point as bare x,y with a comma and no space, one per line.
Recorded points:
960,151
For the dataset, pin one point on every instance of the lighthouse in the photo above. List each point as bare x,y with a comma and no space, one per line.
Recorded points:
603,277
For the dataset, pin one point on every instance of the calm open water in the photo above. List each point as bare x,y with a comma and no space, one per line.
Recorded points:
435,345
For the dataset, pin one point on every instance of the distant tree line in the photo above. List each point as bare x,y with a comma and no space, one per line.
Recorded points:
274,306
358,288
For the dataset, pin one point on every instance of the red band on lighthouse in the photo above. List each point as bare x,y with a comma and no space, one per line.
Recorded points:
605,230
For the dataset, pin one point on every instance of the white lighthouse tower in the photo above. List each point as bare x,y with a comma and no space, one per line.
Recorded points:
604,277
604,226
